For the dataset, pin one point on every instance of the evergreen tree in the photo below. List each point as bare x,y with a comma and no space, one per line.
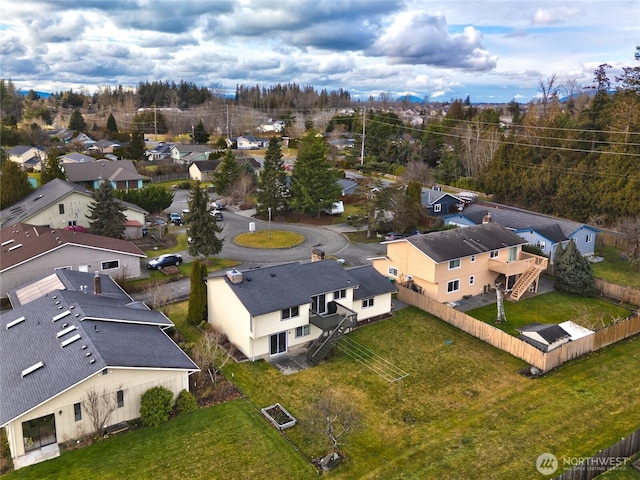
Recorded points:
76,122
153,198
112,127
202,226
227,173
198,293
200,135
137,146
52,169
272,182
572,271
314,183
106,217
14,184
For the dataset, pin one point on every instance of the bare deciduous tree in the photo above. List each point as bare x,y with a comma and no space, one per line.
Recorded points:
335,415
630,227
210,355
99,407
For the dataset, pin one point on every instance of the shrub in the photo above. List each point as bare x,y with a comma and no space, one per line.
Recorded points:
155,406
185,403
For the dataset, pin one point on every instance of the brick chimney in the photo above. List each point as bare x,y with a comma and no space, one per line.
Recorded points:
97,285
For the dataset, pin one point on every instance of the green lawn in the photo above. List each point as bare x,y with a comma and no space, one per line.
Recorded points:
615,269
464,412
554,307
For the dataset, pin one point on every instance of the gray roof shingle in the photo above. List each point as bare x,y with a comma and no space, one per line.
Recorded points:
370,282
109,342
464,242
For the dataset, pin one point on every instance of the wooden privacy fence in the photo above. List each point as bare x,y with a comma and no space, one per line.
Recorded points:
619,292
604,460
545,361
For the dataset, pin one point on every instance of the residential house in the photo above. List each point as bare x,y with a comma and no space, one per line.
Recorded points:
29,252
267,311
104,146
203,170
28,157
60,204
159,152
271,126
544,336
74,157
70,334
438,203
249,142
542,231
347,187
451,264
186,154
122,174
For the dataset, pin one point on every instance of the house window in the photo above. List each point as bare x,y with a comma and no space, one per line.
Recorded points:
120,398
541,245
453,264
110,264
473,258
77,411
453,286
338,294
588,238
68,267
472,279
61,208
302,331
72,223
494,254
289,313
393,271
367,302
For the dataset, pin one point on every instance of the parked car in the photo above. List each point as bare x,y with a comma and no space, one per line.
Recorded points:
217,205
217,214
175,218
166,260
151,221
393,236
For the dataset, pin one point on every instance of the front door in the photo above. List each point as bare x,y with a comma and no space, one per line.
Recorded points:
278,343
39,432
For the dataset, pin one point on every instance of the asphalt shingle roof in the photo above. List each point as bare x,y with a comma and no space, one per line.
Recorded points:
370,282
119,170
464,242
92,345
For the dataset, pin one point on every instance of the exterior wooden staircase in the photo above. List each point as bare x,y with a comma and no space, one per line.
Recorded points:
526,280
321,346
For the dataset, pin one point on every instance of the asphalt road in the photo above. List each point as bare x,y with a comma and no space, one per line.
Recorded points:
330,239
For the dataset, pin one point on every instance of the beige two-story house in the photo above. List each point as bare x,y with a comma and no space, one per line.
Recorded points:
71,334
452,264
266,311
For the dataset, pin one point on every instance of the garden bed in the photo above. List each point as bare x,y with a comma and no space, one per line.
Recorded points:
278,416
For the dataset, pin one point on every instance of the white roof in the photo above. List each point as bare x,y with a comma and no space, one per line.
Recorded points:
574,330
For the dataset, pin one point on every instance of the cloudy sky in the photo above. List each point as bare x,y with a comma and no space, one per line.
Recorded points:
491,50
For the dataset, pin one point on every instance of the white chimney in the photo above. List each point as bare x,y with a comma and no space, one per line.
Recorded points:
234,276
486,219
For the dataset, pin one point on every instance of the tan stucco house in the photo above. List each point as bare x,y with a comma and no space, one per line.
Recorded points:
29,252
60,204
67,335
266,311
452,264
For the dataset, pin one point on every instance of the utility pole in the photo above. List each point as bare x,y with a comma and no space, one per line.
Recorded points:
228,134
364,123
155,122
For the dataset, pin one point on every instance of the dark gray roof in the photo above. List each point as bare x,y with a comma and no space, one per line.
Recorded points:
430,196
517,219
550,332
119,170
206,165
347,186
370,282
464,242
44,196
100,344
274,288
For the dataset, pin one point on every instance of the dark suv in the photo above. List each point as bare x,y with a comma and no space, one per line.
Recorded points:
166,260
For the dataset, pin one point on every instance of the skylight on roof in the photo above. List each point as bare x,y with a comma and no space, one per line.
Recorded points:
61,315
7,242
69,341
14,247
15,322
65,331
31,369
